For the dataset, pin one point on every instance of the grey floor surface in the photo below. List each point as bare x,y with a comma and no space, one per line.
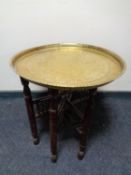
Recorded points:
108,151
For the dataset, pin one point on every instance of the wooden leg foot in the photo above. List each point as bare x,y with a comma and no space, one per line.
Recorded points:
81,155
53,158
36,141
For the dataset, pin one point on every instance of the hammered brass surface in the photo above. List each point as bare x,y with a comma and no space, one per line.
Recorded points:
68,65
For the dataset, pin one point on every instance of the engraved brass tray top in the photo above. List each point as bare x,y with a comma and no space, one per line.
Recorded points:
68,65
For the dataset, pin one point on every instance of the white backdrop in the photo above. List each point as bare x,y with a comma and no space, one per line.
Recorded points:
28,23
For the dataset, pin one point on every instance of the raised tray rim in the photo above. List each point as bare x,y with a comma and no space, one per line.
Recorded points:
102,49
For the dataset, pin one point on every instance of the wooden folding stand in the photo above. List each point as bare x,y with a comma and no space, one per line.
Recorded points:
52,99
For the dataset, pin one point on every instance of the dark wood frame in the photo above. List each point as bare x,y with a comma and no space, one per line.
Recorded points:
30,110
52,99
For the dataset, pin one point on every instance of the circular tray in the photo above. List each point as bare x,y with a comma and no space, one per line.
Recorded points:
68,65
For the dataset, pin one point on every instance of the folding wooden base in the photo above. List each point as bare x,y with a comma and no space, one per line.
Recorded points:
55,103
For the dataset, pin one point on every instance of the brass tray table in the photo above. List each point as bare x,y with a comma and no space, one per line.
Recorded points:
65,68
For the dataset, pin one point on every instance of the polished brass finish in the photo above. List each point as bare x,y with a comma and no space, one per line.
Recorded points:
68,66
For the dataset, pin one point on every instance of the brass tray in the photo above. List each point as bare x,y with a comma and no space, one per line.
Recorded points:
68,65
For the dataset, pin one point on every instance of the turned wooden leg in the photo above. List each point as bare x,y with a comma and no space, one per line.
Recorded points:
86,124
53,125
29,106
